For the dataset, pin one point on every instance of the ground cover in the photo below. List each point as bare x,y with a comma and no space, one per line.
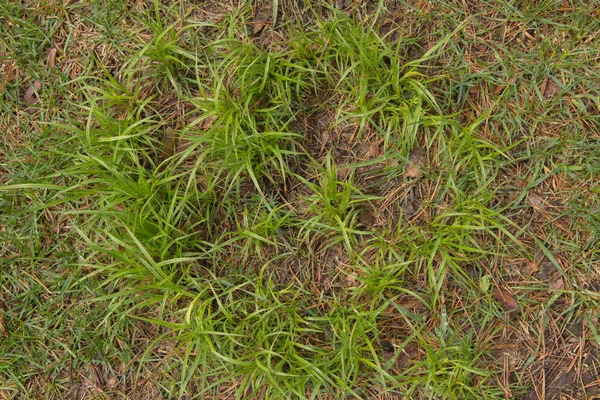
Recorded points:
299,200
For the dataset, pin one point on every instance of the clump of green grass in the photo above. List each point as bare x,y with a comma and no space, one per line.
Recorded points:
186,239
176,232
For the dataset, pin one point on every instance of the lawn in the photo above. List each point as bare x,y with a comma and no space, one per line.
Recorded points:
300,199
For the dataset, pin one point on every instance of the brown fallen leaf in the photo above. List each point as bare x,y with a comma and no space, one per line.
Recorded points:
530,267
412,171
111,383
535,200
52,58
551,89
343,173
366,220
498,89
30,95
374,151
506,299
351,281
259,23
558,285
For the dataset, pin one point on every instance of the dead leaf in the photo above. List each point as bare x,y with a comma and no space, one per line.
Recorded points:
506,299
366,220
551,89
52,58
498,89
111,383
342,173
351,281
260,21
257,27
412,171
530,267
374,151
558,285
30,96
535,200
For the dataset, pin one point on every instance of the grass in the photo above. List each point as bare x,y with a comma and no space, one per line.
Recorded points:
275,200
